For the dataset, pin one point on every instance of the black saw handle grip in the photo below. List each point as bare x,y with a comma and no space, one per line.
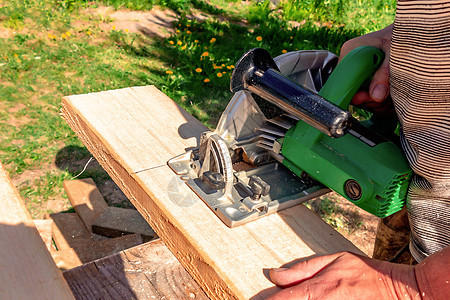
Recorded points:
258,73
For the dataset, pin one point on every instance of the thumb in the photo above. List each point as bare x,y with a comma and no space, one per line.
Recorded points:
301,271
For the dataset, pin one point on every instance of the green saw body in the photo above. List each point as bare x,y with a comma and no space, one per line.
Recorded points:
374,177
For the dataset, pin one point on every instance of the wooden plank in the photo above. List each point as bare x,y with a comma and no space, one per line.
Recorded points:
65,259
27,270
68,229
44,228
86,199
133,132
91,250
148,271
116,221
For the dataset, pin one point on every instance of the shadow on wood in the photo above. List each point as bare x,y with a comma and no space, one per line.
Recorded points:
148,271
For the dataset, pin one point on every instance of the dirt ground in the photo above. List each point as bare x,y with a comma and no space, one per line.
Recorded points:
158,23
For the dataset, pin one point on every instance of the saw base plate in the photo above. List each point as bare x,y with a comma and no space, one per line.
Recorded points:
238,208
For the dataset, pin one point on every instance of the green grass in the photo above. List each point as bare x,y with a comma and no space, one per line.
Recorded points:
56,48
329,209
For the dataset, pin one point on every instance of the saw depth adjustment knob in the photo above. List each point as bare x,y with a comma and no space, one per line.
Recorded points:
258,187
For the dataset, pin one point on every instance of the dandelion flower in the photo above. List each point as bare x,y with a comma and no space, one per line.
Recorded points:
177,31
206,53
283,51
212,40
206,80
179,43
184,47
188,32
198,70
63,36
126,30
169,72
68,33
88,32
196,41
259,38
18,60
219,74
16,55
171,42
114,27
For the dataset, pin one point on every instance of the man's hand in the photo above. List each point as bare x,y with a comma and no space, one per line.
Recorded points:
345,276
379,87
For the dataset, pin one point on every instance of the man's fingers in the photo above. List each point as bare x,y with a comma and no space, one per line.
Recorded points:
301,271
379,86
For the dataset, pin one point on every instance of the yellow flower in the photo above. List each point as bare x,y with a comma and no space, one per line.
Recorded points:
232,66
219,74
68,33
206,80
198,70
259,38
19,61
126,30
184,47
171,42
16,55
206,53
283,51
114,27
88,32
196,41
179,43
63,36
188,32
212,40
177,31
169,72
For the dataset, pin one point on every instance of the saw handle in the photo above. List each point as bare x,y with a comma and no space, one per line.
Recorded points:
356,67
257,72
327,111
